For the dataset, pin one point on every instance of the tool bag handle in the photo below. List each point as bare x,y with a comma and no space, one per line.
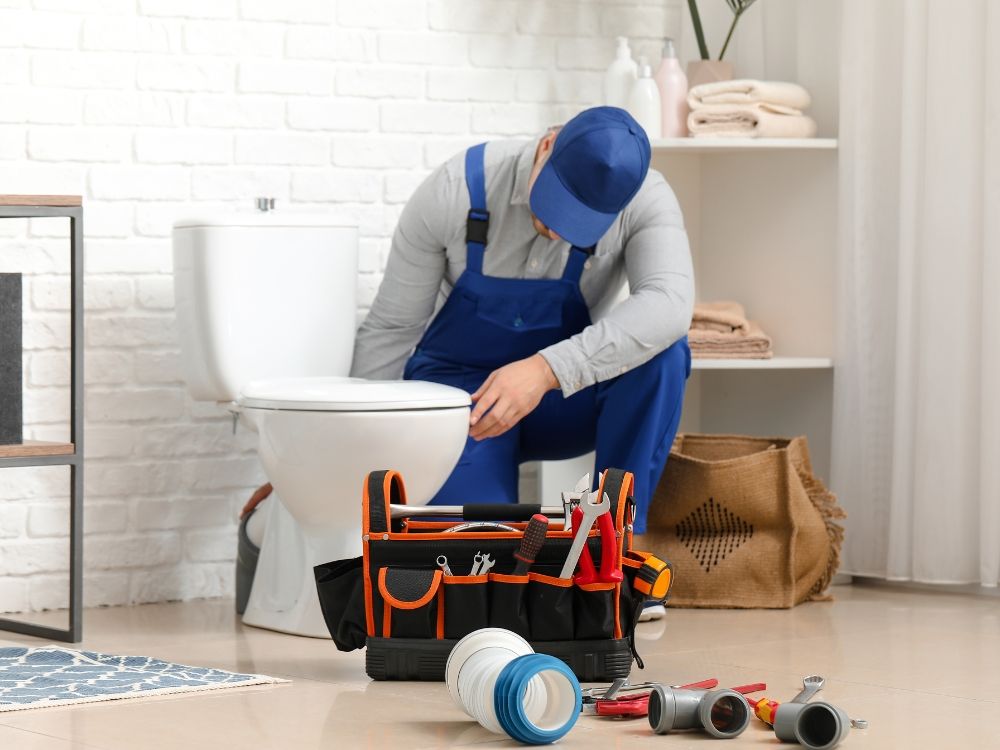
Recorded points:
620,487
382,488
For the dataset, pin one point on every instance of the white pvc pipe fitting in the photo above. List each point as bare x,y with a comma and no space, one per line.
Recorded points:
537,700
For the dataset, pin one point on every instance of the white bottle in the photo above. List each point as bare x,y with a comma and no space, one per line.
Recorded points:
673,87
644,102
620,76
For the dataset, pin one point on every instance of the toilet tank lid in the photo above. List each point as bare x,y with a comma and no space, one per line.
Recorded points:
289,218
350,394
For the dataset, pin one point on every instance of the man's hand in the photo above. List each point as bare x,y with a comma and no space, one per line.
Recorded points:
509,395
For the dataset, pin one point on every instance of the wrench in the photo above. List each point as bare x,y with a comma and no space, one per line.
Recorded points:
482,564
810,686
576,496
591,511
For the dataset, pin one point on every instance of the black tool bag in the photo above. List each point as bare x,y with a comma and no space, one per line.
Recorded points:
398,602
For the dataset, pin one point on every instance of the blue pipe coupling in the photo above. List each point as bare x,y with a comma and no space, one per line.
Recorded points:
724,713
496,678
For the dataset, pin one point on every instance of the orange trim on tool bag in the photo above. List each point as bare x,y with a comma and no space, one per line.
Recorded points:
402,536
386,620
366,561
618,598
463,580
440,618
507,578
399,603
597,586
550,580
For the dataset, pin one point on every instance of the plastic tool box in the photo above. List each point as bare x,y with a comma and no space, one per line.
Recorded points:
398,602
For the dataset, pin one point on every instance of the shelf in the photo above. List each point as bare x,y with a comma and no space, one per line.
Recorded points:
36,448
41,200
775,363
728,145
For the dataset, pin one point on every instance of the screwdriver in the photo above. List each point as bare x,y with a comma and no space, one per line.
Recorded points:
531,543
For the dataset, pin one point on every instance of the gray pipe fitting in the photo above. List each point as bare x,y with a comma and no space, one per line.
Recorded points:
724,714
817,726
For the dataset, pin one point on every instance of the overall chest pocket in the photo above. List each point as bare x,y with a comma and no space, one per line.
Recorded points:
521,313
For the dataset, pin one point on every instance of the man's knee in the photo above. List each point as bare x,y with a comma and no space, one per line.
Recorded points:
673,364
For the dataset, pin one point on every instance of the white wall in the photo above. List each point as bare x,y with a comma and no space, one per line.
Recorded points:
149,108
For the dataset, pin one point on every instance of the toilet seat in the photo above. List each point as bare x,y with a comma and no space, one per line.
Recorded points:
350,394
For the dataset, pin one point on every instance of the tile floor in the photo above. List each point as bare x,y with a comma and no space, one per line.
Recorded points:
922,668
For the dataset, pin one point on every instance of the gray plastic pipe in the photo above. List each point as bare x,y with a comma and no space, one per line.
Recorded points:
724,713
817,726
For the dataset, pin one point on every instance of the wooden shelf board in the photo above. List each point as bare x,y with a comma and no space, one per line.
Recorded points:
41,200
730,145
775,363
32,448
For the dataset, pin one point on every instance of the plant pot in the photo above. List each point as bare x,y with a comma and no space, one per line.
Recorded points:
708,71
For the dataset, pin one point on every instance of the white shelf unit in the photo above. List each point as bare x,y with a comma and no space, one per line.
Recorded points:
761,219
775,363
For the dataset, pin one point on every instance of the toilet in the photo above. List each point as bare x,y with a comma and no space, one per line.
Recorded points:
266,317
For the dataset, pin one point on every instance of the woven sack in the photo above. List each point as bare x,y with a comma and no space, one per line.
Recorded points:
744,522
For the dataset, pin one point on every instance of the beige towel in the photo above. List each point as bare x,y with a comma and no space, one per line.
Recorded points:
748,91
749,121
755,344
724,317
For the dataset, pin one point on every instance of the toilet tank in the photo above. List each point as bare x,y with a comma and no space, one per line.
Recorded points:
263,295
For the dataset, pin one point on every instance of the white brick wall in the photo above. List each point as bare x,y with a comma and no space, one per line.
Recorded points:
152,108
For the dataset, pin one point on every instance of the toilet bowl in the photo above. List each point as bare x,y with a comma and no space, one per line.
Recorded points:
318,438
266,319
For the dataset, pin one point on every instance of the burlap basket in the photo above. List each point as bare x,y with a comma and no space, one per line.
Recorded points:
744,522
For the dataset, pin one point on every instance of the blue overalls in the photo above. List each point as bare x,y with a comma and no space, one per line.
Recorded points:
488,322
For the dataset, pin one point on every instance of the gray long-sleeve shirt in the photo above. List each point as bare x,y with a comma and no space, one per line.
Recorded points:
647,245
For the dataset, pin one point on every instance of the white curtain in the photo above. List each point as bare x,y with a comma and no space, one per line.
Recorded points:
917,386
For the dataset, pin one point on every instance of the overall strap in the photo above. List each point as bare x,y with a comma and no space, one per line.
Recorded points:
478,222
574,264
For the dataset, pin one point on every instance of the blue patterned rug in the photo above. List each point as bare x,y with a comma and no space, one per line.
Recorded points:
57,676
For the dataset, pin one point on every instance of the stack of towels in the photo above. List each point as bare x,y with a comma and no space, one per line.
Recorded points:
749,109
720,330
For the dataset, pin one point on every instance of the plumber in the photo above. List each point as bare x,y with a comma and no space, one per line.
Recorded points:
504,279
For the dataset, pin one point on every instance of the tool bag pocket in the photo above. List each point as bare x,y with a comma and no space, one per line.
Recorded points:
341,589
466,604
508,603
550,607
594,610
409,602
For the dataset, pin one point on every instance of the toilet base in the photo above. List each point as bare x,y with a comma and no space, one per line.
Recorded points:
283,596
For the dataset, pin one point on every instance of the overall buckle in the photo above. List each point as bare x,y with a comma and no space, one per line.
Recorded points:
476,226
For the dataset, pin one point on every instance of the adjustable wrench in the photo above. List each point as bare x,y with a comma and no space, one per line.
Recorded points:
569,499
591,511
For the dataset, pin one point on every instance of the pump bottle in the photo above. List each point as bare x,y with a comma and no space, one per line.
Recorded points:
620,76
673,87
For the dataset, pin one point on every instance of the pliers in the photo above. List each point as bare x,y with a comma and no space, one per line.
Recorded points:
608,704
630,706
609,572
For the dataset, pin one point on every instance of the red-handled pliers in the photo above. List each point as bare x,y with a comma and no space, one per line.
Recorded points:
610,572
638,705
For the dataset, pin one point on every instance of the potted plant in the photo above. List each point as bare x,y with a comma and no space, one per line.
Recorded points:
707,70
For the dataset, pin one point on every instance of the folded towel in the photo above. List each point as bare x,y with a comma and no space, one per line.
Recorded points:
755,344
749,121
747,91
724,317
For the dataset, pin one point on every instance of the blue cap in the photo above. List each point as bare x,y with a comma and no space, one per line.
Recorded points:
597,165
